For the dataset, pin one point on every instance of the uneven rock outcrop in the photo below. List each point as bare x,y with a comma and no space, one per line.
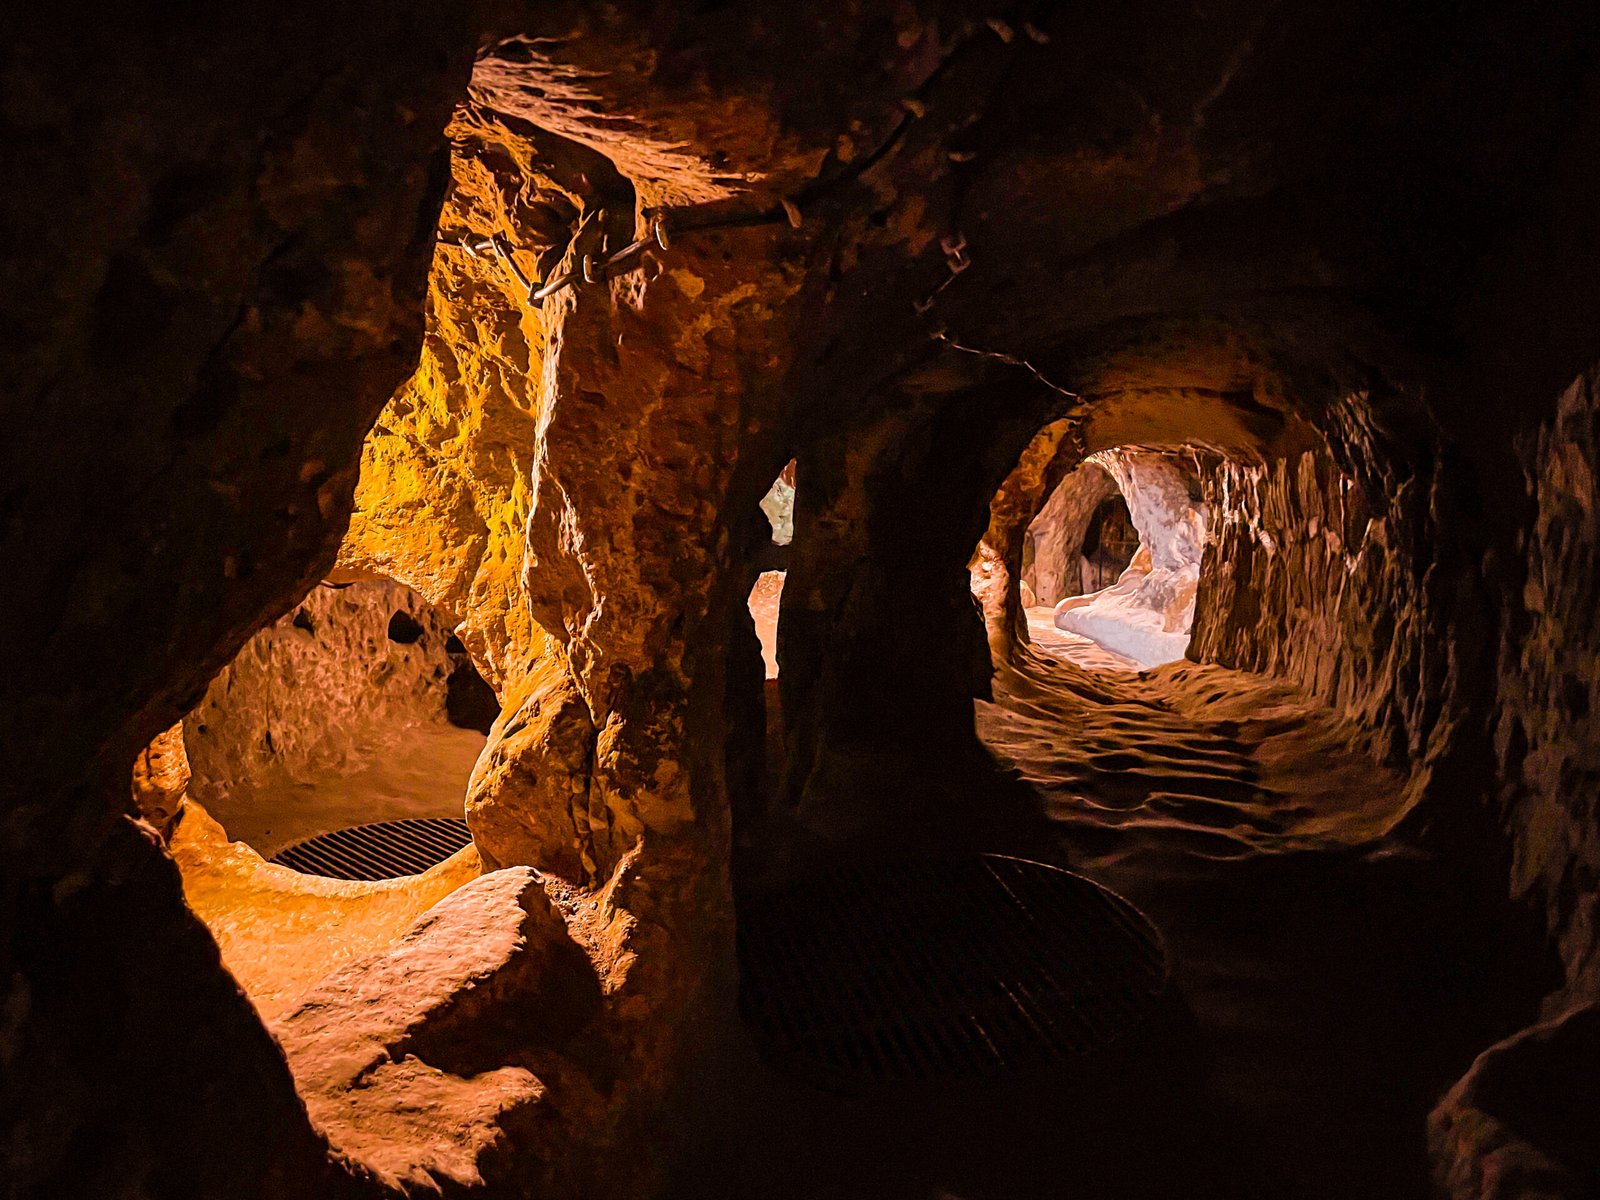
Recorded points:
1311,578
1057,531
224,224
400,1055
161,778
1549,698
1519,1125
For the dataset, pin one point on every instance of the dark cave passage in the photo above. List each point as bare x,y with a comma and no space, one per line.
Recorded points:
985,601
1259,816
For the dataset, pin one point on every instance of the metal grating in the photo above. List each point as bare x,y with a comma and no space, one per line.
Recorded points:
381,850
974,967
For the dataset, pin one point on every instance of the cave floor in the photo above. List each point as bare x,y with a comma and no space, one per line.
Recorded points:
280,931
1331,978
421,771
1072,647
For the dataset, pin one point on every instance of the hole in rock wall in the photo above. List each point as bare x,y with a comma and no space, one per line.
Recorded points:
313,799
765,597
1113,558
361,707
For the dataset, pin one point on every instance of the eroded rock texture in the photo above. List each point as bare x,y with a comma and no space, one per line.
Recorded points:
223,224
161,777
403,1057
337,714
1340,246
1549,676
1520,1123
1309,578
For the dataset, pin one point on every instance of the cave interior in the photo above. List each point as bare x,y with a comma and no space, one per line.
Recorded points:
916,600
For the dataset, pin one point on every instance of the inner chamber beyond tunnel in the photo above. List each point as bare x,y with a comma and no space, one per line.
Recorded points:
313,799
359,710
1113,555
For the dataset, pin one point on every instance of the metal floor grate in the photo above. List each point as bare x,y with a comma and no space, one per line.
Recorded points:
972,967
381,850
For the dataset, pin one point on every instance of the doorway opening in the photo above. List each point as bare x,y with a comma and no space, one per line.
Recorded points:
773,562
314,798
1111,561
359,709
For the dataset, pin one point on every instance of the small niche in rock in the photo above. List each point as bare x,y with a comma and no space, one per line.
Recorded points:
404,628
469,702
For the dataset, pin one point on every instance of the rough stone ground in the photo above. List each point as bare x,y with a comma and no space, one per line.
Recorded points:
1332,981
1053,642
280,931
410,1058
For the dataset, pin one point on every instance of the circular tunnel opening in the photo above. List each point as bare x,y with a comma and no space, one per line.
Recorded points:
1110,560
340,740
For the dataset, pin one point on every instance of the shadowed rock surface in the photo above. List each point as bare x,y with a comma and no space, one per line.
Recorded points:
933,256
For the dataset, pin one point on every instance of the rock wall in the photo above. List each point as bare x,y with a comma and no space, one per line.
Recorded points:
1548,720
1057,532
359,705
997,563
224,220
1311,576
446,473
884,645
347,677
544,479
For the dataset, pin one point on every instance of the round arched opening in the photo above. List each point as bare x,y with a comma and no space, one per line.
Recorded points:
313,798
1109,562
340,740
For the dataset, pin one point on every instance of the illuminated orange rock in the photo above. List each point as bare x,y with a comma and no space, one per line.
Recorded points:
160,778
398,1055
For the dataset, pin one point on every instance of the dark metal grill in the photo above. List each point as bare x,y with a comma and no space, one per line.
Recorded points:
381,850
981,966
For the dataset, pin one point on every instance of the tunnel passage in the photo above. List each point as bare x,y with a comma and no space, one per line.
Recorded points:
358,711
937,204
1229,792
1113,556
